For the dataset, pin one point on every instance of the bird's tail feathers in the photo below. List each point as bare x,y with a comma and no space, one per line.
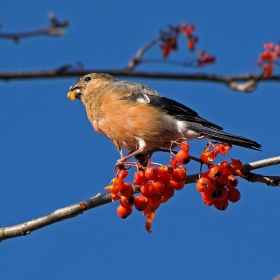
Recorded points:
220,135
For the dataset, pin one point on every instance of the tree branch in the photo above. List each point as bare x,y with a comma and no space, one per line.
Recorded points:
230,81
56,28
78,208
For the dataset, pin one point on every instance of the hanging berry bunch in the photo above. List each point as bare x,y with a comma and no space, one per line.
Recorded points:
157,183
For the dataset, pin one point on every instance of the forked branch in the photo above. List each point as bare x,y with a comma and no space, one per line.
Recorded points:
56,28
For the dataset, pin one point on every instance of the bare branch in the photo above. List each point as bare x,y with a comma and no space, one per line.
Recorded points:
260,164
54,217
272,181
56,28
78,208
138,58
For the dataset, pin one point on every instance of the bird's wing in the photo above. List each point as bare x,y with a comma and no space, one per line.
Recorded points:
143,94
135,91
180,111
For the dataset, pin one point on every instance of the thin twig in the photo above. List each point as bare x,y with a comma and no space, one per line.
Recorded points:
56,28
190,64
138,57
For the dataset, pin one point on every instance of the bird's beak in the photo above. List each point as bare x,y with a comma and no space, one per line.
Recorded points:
74,92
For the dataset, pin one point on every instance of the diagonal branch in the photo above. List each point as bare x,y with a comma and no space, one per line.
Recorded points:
56,28
78,208
138,57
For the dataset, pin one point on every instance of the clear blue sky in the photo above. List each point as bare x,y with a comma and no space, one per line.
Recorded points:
50,157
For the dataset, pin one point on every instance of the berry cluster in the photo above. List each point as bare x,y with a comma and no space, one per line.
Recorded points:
218,185
268,59
188,32
156,184
169,37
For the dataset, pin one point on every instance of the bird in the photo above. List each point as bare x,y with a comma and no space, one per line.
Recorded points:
139,119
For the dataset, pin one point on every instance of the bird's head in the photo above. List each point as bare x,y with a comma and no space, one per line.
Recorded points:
88,84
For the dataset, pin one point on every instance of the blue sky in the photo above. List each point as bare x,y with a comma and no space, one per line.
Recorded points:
51,157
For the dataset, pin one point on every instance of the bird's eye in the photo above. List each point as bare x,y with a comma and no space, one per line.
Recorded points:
87,79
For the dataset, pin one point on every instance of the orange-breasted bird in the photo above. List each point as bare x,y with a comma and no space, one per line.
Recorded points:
139,119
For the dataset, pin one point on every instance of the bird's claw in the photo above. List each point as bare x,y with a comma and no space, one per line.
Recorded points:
120,164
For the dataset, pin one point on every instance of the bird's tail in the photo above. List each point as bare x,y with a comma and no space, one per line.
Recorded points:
220,135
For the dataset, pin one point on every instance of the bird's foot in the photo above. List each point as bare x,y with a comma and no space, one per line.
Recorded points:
121,164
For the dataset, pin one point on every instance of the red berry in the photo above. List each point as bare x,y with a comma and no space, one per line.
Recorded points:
147,189
165,172
154,205
151,173
210,194
234,195
182,157
173,162
123,173
139,178
203,184
155,198
160,184
127,201
223,180
177,185
205,175
167,194
184,146
226,168
221,205
215,172
126,190
222,194
124,212
207,202
232,182
140,203
179,174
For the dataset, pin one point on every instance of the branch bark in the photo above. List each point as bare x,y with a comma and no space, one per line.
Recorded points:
78,208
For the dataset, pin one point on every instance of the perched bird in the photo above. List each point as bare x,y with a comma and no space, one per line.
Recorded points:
139,119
